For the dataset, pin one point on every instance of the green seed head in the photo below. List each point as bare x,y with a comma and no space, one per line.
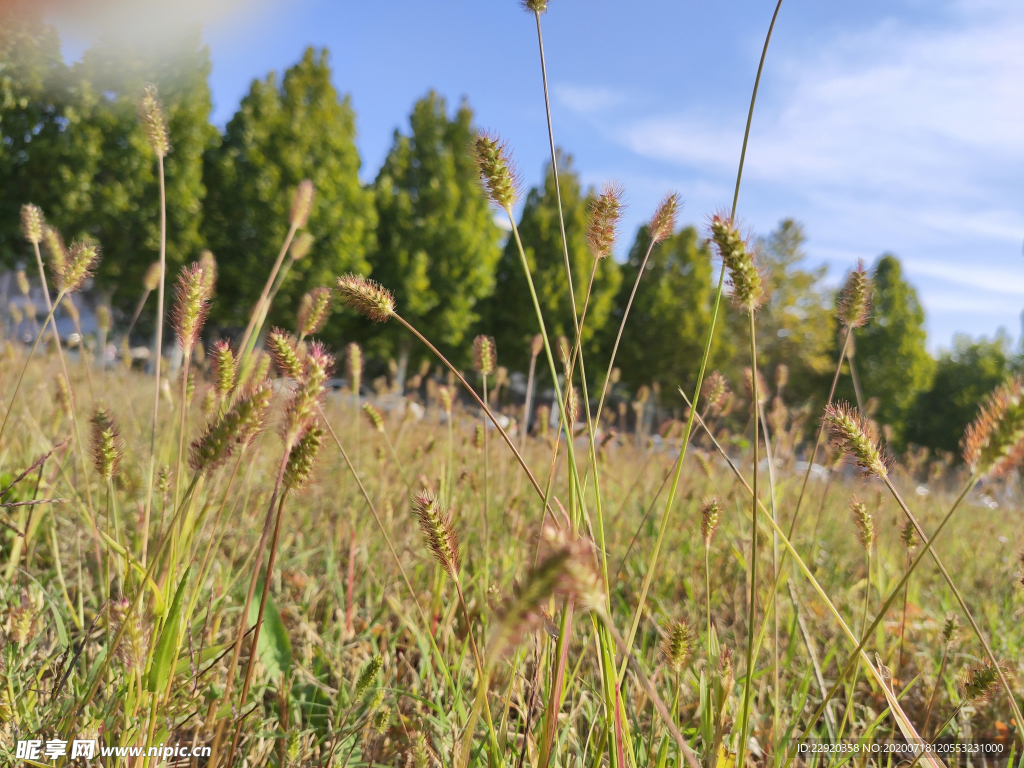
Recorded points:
374,417
301,459
285,352
55,250
209,264
497,173
663,222
603,219
354,363
994,441
864,523
82,258
32,223
367,676
107,445
236,427
485,355
950,627
855,436
302,204
151,280
745,280
979,682
854,305
301,245
678,645
22,280
225,368
191,304
103,318
710,517
366,297
438,531
154,121
313,311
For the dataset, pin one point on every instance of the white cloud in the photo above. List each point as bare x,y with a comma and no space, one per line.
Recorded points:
887,138
585,99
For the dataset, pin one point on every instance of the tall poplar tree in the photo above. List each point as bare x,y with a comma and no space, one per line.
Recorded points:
890,353
664,336
286,130
437,241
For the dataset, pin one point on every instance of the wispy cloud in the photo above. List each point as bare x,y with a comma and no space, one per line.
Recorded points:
892,137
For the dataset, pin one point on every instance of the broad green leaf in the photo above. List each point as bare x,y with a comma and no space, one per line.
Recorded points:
275,649
167,644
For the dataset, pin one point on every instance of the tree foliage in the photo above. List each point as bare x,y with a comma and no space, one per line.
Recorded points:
437,241
72,144
795,325
964,375
511,320
890,353
664,336
284,131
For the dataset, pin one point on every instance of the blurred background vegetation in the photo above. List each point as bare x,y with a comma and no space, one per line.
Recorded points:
70,142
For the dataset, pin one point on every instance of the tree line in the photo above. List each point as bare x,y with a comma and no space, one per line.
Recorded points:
70,142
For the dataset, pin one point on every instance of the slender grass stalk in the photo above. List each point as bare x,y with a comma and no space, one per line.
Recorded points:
670,502
748,683
905,726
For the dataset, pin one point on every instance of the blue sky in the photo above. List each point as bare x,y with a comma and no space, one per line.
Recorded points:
882,126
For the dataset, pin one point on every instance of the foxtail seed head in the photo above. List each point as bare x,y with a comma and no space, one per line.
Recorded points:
950,626
154,120
855,436
367,676
603,219
678,645
313,311
854,305
536,345
446,395
192,302
535,6
994,441
663,222
301,412
151,281
497,173
302,457
302,203
107,445
710,517
864,523
715,390
745,280
81,260
354,362
485,355
438,531
301,245
55,250
908,535
374,417
209,264
781,376
225,368
978,682
572,406
366,297
238,426
22,280
285,353
32,223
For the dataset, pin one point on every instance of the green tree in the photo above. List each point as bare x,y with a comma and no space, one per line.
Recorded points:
796,325
510,320
890,354
437,241
72,143
964,375
664,336
285,131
